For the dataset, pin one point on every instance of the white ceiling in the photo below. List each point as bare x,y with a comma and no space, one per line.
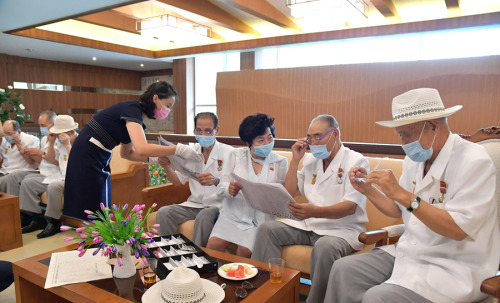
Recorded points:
15,14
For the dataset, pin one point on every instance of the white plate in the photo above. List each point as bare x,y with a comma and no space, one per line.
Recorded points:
224,275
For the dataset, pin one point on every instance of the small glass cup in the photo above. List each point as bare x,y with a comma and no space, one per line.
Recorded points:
276,266
149,272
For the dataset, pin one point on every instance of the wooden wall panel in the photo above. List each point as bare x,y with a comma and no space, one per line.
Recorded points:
358,95
22,69
183,72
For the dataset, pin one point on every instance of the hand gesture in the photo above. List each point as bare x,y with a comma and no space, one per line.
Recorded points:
17,137
387,183
187,153
31,151
207,179
164,161
234,188
64,138
299,149
52,138
357,176
301,211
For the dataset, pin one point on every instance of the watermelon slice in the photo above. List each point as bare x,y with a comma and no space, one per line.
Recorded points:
240,273
231,272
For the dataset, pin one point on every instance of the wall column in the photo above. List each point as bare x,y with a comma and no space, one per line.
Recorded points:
183,71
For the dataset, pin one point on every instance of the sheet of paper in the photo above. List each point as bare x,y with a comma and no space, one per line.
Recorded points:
270,198
68,268
188,168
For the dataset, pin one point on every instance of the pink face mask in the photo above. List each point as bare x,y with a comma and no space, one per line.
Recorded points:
162,113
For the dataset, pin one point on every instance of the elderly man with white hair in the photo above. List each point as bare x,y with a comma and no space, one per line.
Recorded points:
50,180
446,197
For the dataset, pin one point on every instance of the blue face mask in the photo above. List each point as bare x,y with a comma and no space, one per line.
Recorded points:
44,131
59,140
416,152
264,150
320,151
205,141
9,139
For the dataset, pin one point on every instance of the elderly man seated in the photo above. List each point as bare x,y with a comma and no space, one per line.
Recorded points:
336,212
50,180
446,197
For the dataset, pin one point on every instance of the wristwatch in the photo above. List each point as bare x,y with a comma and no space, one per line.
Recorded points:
414,204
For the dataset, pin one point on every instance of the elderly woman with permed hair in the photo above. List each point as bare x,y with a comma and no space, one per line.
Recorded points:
238,222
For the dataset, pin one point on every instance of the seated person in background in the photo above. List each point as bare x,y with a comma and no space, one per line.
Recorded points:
203,204
12,152
50,180
336,212
238,222
446,197
6,275
14,179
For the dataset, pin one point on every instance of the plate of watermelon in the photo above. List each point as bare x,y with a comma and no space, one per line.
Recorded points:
237,271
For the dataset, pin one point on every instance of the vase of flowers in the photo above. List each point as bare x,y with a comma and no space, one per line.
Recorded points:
10,107
118,231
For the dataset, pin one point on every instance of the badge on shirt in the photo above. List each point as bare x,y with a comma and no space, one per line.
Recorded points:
313,181
219,163
64,157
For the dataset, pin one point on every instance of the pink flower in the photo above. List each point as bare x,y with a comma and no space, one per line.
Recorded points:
145,261
80,229
154,205
139,217
128,242
151,235
67,239
94,234
144,246
88,212
80,248
97,240
120,261
64,227
155,231
81,253
83,236
128,217
144,236
137,229
111,215
156,225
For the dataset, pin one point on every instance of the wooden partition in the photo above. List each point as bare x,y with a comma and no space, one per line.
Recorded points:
80,104
358,95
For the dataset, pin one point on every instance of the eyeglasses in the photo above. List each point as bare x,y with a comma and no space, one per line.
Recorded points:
203,132
310,140
241,291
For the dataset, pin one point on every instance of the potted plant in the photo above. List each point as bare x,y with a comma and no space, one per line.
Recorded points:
10,107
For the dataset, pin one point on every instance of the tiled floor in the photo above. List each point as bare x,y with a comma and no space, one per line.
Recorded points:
31,247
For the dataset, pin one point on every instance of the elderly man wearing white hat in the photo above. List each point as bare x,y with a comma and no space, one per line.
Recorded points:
60,139
446,197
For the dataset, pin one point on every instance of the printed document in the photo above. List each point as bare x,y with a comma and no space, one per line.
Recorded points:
188,168
270,198
68,268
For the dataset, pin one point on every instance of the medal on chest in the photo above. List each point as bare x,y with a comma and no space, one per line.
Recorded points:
64,157
340,174
219,164
442,188
313,181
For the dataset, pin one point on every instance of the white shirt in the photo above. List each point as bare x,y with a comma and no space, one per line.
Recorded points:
437,267
235,208
12,158
61,155
321,188
203,196
47,169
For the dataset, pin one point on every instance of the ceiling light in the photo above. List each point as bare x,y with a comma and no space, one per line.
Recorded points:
142,65
304,8
94,58
173,28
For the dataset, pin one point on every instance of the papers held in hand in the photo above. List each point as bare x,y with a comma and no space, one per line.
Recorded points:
270,198
188,168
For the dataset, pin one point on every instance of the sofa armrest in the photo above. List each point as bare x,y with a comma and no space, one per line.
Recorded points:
165,194
491,286
384,236
127,186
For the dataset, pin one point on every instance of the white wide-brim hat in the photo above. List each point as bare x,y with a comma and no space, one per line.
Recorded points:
63,123
417,105
184,285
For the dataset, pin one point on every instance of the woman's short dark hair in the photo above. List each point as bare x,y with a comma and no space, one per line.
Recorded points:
254,126
163,89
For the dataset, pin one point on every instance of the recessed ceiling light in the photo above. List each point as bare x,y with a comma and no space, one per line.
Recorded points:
142,65
94,58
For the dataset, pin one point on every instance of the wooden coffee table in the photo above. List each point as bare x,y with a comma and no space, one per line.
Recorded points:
10,222
30,275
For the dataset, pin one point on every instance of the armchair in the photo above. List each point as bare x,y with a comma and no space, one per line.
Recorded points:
489,138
